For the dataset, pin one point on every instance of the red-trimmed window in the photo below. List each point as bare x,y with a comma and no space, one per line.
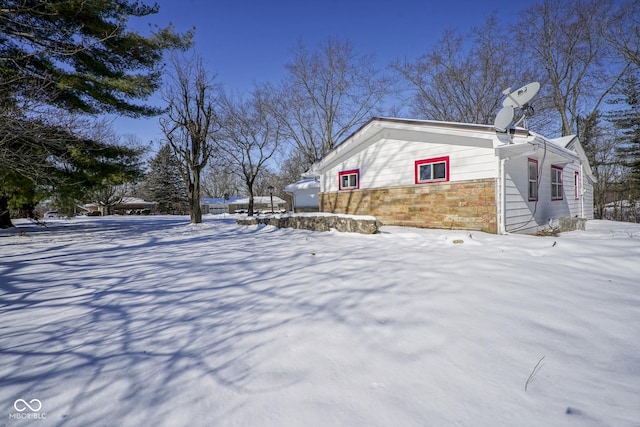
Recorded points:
349,180
576,184
532,167
556,183
432,170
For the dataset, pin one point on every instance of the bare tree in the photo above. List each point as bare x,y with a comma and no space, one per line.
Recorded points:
564,39
189,122
623,30
461,79
109,195
220,179
600,140
250,136
327,94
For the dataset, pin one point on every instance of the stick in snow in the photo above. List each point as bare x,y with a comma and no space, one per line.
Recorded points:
535,369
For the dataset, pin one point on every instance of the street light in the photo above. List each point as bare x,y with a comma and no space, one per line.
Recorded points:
270,188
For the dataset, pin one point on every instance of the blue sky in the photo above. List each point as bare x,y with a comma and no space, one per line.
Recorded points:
245,42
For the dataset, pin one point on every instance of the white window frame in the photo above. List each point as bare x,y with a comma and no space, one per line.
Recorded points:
349,180
557,187
419,167
532,165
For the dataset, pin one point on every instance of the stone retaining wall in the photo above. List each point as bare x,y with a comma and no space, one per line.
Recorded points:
305,209
317,223
469,205
571,224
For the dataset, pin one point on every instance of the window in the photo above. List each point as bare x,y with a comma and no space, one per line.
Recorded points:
349,180
576,184
432,170
556,183
533,180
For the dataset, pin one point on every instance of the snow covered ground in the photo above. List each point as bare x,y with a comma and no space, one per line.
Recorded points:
130,321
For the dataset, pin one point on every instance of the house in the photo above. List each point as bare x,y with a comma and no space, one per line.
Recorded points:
241,204
261,204
453,175
217,205
134,206
126,206
305,194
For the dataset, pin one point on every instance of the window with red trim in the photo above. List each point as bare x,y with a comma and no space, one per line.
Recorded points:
432,170
556,183
532,166
349,180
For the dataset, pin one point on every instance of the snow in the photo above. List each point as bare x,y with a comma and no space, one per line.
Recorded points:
303,184
319,214
148,320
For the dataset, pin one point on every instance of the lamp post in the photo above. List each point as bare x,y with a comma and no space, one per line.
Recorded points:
270,188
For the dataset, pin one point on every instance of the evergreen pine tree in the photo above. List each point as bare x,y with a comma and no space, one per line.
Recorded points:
163,184
627,120
81,57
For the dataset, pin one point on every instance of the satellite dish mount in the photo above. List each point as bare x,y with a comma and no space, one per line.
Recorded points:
520,100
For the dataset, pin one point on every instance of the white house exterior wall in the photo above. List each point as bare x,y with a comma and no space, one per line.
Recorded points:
524,216
587,194
391,163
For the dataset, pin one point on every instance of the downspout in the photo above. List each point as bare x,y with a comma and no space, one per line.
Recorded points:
581,191
502,221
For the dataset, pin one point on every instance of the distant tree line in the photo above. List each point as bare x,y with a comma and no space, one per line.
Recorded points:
584,53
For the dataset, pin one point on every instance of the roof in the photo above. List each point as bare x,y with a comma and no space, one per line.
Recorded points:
257,199
564,141
443,124
219,200
303,184
135,200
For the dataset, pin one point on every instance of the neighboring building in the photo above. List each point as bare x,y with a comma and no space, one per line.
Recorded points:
217,205
454,175
305,194
261,204
134,206
127,206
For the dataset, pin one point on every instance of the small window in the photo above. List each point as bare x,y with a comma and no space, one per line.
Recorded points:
432,170
533,180
556,183
349,180
576,184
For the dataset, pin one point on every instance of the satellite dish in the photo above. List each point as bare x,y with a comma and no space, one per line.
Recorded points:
522,96
504,118
518,99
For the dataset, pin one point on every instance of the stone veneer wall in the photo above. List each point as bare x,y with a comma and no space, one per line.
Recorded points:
322,222
304,209
469,205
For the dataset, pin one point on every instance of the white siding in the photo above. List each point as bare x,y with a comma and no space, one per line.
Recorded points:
587,194
389,163
524,216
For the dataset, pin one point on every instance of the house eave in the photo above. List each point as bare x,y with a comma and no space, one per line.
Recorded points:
379,128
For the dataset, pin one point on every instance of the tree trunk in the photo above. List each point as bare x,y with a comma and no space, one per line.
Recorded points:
5,217
251,204
194,200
